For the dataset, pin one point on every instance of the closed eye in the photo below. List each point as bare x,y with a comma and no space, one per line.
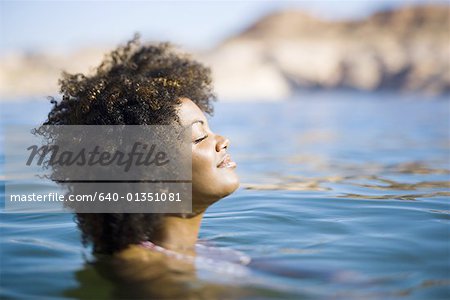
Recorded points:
200,139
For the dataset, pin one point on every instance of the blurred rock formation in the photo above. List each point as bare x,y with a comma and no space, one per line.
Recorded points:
405,50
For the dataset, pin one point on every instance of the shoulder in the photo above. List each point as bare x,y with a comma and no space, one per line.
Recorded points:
136,262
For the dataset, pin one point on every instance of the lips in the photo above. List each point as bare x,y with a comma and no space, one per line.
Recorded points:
226,162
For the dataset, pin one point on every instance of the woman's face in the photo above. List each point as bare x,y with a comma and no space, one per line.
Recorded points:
213,171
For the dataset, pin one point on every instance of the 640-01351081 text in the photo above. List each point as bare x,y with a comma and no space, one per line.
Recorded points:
138,197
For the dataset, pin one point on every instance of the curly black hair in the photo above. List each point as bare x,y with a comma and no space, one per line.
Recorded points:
134,85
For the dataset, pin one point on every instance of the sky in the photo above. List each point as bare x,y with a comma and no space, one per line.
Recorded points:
62,25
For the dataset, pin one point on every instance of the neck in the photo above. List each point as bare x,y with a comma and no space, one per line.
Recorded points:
178,233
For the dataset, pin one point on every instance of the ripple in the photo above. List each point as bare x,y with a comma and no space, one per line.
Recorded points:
407,197
295,183
394,185
416,168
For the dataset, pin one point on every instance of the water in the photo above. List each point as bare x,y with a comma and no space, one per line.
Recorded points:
343,196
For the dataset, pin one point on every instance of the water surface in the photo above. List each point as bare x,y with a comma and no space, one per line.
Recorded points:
343,196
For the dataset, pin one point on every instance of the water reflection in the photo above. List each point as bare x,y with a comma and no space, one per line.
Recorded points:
370,183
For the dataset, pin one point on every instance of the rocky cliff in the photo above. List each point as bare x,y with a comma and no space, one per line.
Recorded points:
406,50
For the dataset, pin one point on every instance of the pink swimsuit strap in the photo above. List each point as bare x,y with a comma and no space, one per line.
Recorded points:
170,253
210,258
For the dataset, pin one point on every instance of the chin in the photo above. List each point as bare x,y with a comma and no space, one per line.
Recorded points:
231,185
211,189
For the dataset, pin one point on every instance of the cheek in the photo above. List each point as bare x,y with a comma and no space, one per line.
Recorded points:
209,181
203,165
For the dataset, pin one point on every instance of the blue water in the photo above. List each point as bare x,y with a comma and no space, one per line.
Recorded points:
343,196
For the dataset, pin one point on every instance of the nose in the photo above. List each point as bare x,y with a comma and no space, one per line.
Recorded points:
222,143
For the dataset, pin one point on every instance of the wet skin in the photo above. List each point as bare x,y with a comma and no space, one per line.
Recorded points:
213,178
213,171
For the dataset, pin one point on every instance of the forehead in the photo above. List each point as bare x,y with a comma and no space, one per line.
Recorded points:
189,112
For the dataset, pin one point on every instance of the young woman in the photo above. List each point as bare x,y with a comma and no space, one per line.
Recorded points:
150,85
147,254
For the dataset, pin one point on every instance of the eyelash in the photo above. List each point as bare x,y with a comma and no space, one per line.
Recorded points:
200,139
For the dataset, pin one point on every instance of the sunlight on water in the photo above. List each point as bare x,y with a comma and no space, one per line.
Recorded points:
340,198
